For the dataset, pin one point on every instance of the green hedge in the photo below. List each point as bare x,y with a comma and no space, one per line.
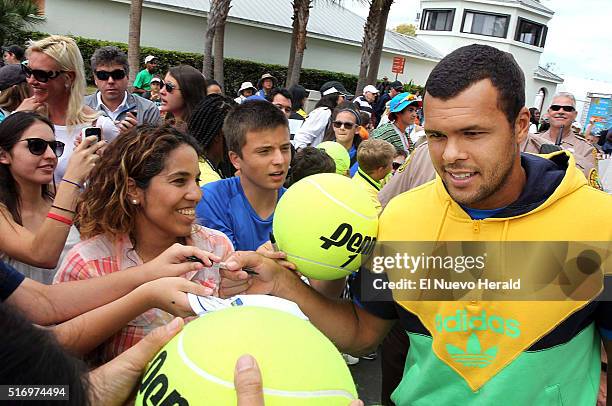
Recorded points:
236,70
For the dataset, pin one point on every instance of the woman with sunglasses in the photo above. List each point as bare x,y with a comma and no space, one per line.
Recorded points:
38,222
183,88
140,201
344,130
56,74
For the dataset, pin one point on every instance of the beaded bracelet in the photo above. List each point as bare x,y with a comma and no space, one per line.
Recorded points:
59,218
72,183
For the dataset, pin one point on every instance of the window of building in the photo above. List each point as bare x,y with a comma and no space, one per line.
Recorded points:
438,19
493,25
531,33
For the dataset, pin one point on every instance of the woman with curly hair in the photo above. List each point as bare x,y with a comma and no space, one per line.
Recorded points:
140,201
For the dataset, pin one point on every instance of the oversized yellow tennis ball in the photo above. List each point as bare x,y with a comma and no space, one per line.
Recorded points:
299,365
326,224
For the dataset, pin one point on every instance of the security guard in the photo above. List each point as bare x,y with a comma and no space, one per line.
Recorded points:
562,112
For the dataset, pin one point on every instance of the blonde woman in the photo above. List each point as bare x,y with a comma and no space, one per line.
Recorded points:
56,74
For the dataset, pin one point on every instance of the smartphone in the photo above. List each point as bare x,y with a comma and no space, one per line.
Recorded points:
89,131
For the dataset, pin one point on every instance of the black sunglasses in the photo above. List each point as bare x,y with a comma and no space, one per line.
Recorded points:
348,126
169,87
38,146
116,74
556,107
396,165
40,75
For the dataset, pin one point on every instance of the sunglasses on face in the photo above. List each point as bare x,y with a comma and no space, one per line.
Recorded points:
40,75
339,124
556,107
169,87
38,146
116,74
396,165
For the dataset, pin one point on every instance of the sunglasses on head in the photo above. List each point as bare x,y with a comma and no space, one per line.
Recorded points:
556,107
169,87
40,75
348,126
117,74
38,146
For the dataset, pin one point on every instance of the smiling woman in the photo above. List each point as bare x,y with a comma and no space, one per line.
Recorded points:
38,221
140,201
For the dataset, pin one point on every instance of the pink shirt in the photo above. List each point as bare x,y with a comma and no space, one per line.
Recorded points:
99,256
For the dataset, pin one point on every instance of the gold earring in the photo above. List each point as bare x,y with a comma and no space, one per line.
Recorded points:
134,201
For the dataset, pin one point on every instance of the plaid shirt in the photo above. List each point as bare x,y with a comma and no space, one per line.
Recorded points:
99,256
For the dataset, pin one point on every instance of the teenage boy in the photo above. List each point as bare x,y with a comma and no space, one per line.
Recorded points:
242,207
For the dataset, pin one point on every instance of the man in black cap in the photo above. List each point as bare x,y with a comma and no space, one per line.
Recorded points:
395,88
13,54
11,75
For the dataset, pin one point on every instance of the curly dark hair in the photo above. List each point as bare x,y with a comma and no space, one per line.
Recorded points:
139,155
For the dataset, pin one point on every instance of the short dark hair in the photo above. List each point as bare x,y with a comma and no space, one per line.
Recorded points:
310,161
256,115
470,64
279,90
109,55
16,50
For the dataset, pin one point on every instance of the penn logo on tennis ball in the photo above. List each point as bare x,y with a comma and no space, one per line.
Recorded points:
355,242
155,386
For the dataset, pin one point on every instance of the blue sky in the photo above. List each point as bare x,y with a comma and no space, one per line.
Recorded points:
579,39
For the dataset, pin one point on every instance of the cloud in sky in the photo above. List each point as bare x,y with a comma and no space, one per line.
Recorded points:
579,40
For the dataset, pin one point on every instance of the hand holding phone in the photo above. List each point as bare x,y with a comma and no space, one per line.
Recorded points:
89,131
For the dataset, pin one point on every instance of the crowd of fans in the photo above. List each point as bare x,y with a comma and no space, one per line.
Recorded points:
179,169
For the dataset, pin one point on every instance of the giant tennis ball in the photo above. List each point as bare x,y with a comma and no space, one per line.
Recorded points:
326,224
299,365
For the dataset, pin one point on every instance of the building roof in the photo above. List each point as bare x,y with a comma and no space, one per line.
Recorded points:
328,21
541,73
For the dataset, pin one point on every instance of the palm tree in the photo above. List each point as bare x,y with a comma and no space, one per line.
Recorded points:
134,39
15,16
301,13
372,44
220,43
217,15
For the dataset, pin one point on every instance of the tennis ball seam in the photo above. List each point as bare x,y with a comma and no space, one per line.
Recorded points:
338,202
268,391
337,268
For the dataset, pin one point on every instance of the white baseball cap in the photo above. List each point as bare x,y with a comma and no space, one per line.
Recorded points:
149,58
370,88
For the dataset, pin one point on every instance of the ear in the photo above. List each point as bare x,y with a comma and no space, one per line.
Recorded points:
521,125
4,157
70,78
235,159
134,192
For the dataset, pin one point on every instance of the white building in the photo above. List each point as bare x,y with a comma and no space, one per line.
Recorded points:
260,30
515,26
